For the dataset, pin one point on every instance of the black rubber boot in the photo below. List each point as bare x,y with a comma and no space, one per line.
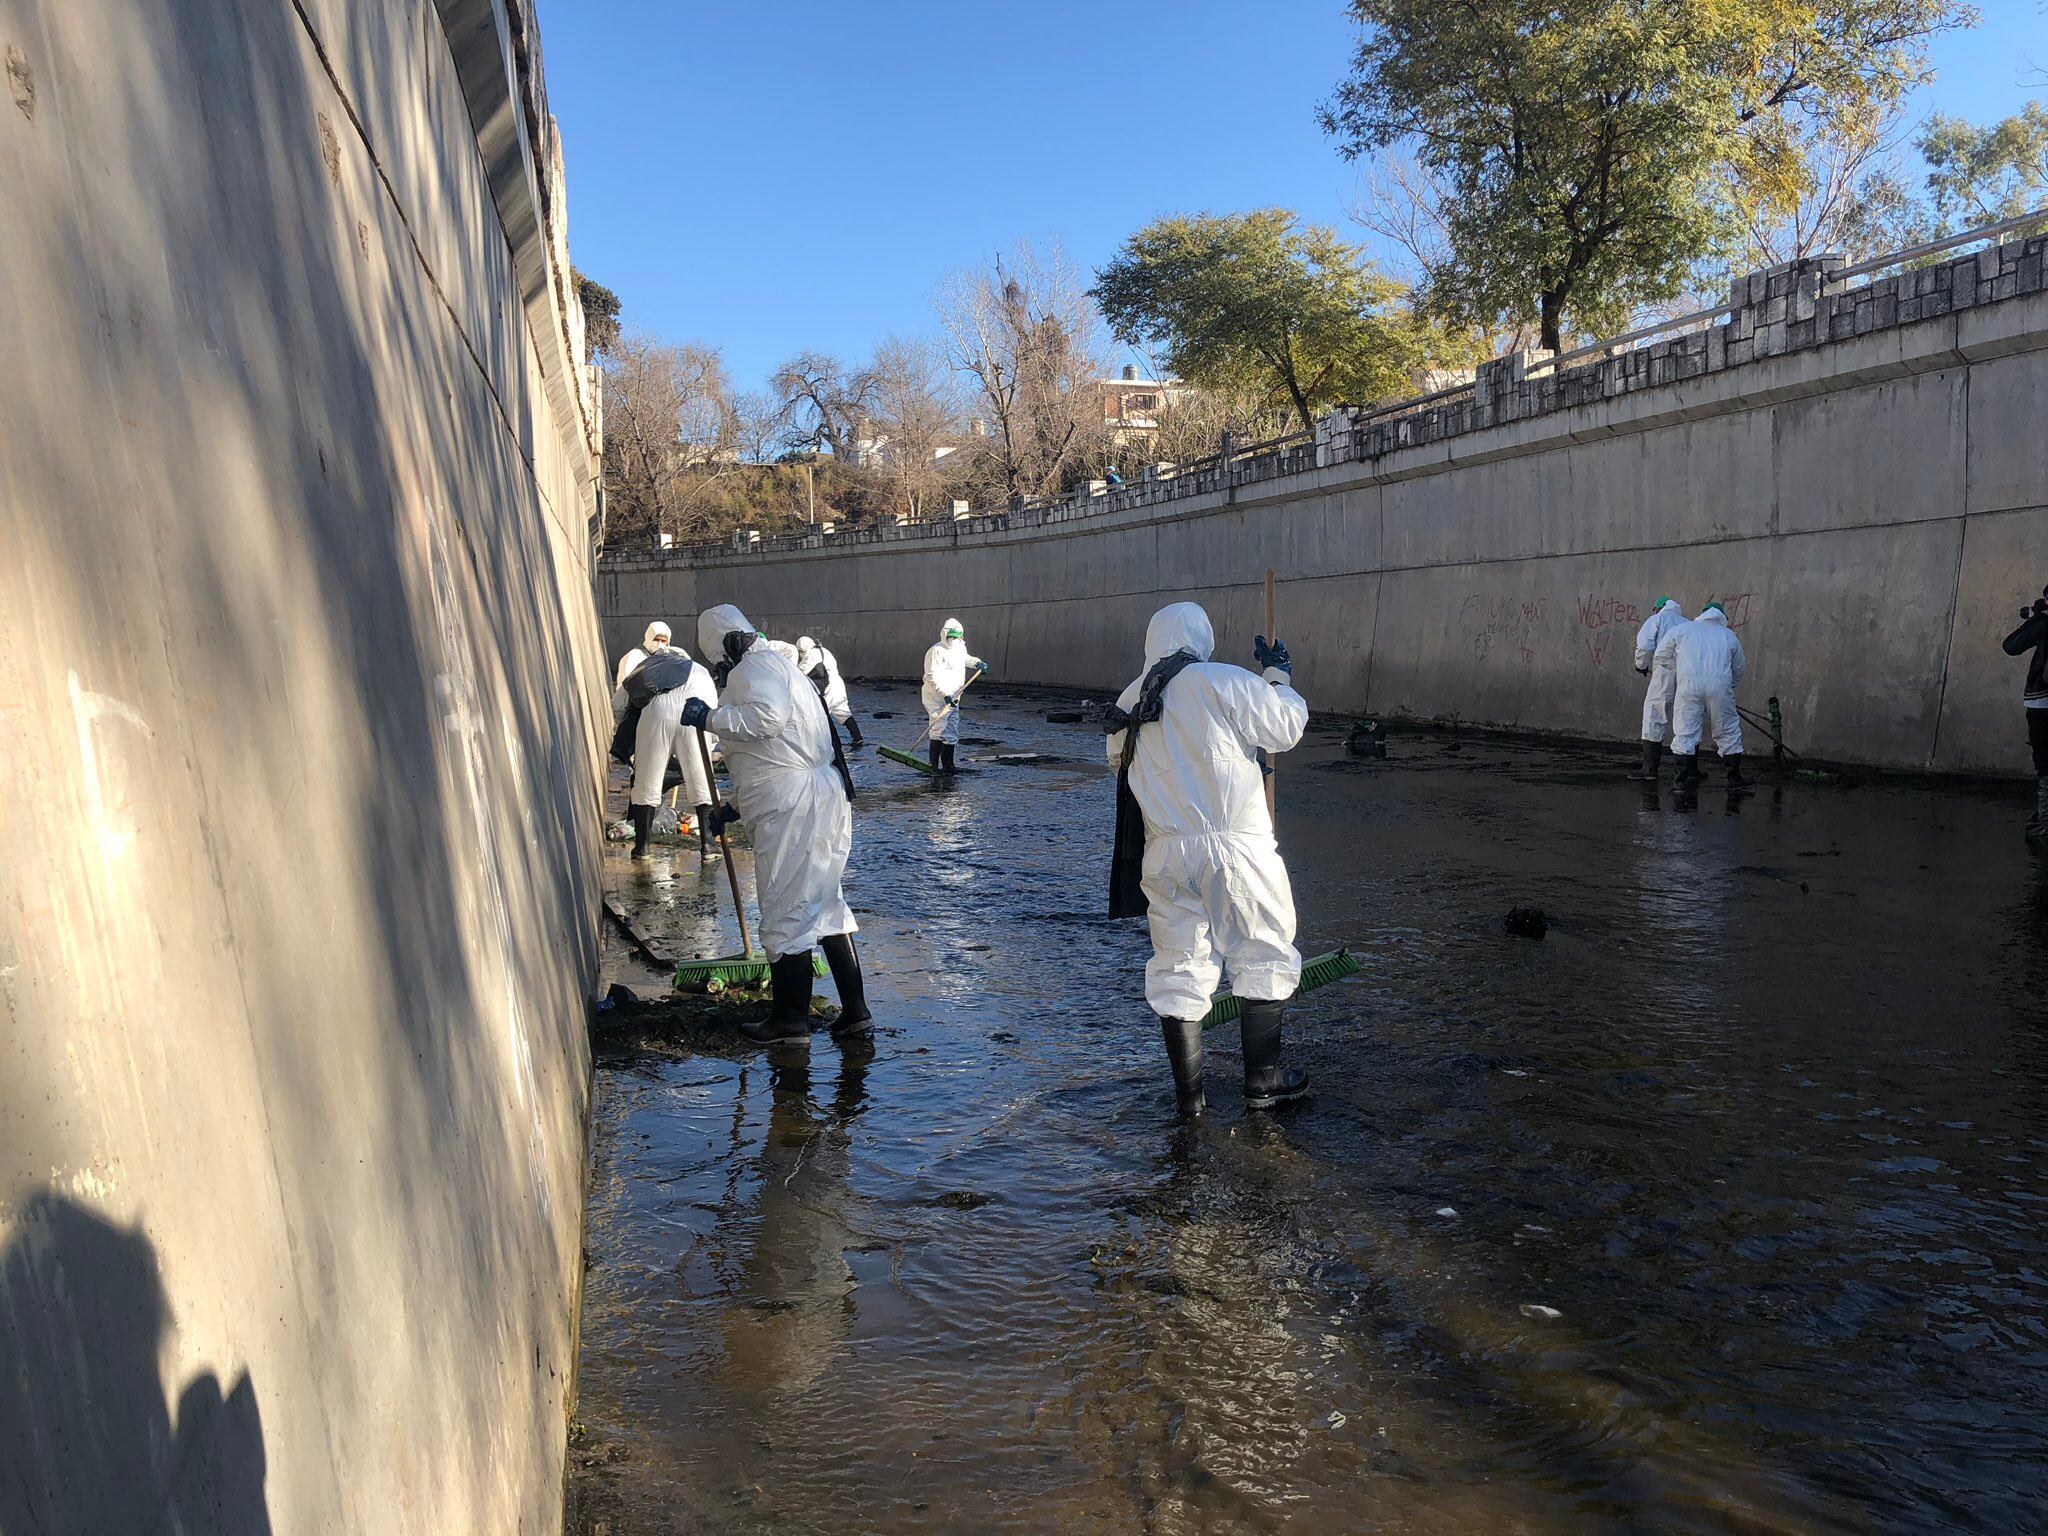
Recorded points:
1653,753
946,757
932,753
2037,825
707,840
1688,767
854,1021
789,1018
1184,1051
1267,1084
853,735
1733,761
642,817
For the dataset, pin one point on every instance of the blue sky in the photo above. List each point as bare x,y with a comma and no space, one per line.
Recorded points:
789,173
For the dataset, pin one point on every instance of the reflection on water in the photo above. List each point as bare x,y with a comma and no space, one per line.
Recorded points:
1716,1210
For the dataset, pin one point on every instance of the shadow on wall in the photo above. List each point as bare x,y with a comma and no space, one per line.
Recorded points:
88,1442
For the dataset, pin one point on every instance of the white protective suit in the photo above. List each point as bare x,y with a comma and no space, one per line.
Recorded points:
778,746
1663,680
1213,878
1707,656
947,666
656,633
809,656
662,732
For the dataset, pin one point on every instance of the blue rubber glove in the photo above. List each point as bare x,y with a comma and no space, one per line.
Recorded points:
722,816
1271,654
980,667
695,713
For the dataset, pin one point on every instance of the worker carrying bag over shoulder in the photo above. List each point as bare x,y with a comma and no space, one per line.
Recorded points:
1127,859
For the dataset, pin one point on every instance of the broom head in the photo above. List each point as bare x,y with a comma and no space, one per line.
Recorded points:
907,760
727,971
1319,972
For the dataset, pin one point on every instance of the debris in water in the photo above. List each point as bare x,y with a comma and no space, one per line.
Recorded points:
1064,716
1368,738
1449,1213
1527,922
1541,1313
885,714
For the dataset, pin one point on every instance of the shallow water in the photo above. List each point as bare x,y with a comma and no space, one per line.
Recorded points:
1760,1121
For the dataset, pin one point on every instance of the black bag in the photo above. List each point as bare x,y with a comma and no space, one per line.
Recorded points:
1127,856
1127,861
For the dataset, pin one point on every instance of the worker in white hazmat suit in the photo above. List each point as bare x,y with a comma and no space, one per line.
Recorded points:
947,667
790,785
656,633
657,691
1663,681
822,668
1212,880
1707,657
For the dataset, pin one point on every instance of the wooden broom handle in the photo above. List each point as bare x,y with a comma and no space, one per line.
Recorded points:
739,907
1271,757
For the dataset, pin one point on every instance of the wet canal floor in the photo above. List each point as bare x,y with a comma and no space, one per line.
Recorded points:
1717,1209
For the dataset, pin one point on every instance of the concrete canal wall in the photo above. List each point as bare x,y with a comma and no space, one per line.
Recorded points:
1859,472
299,815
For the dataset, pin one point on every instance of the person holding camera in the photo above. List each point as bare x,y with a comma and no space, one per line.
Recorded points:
2032,635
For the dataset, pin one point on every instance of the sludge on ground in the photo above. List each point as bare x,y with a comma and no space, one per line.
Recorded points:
1757,1122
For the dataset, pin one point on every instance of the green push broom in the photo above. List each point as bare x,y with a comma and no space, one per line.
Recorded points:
1319,972
908,757
747,968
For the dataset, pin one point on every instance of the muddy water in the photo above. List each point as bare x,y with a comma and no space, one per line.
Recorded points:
1759,1124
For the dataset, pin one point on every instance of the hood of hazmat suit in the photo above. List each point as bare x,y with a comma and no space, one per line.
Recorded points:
657,633
788,785
1213,877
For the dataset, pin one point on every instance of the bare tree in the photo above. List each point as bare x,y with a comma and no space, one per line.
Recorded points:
1852,197
1191,423
1406,204
827,407
915,416
757,427
1026,336
669,433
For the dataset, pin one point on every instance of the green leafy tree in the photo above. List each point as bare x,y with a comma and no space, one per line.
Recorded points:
1984,175
1591,153
1256,300
600,316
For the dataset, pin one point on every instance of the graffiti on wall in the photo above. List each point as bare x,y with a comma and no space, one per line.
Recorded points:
1507,625
1601,619
1502,624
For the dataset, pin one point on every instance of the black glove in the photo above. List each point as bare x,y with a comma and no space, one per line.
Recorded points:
1114,719
1642,671
1271,653
721,816
695,713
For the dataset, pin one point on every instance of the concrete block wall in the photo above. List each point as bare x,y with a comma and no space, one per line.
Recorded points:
1872,507
301,695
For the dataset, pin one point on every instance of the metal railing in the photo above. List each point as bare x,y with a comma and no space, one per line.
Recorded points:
1297,452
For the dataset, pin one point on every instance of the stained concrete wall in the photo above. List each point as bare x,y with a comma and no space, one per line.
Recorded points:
298,771
1872,510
